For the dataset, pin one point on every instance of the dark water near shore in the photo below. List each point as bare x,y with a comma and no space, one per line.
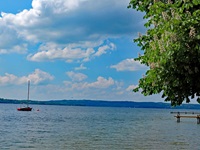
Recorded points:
95,128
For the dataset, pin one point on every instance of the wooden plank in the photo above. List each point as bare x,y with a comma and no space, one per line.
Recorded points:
178,116
182,112
186,116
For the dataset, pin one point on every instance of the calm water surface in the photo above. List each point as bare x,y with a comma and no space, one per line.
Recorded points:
95,128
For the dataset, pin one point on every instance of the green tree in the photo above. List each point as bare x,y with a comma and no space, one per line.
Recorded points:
171,49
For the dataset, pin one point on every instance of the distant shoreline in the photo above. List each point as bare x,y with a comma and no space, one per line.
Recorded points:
102,103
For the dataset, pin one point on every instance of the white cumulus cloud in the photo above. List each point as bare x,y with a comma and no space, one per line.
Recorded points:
67,22
76,76
81,67
129,65
70,53
131,87
52,52
37,77
103,49
101,83
40,77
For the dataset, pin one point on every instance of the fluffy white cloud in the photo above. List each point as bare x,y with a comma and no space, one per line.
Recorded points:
76,76
37,77
15,49
129,65
10,42
104,89
56,7
67,21
40,77
101,83
52,52
103,49
81,67
131,87
70,53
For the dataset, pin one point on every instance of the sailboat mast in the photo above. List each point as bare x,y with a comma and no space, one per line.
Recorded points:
26,108
28,89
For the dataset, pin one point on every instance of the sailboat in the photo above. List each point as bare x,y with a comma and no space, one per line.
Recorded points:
27,108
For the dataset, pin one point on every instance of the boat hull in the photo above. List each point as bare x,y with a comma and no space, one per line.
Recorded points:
24,109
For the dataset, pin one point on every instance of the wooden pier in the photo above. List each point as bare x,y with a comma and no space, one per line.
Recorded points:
179,116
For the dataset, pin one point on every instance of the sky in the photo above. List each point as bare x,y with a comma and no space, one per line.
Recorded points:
80,49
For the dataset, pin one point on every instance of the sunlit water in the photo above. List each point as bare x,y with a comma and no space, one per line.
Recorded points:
95,128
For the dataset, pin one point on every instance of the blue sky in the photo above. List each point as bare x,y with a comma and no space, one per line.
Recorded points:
80,49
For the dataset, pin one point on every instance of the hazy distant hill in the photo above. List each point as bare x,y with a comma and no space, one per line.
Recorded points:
102,103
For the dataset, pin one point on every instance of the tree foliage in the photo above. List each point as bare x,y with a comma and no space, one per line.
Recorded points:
171,49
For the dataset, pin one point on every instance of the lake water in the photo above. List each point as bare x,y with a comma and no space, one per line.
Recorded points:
95,128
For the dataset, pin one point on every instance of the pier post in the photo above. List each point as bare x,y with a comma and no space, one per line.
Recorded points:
178,117
198,119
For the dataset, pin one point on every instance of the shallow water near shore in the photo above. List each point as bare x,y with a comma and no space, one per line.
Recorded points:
95,128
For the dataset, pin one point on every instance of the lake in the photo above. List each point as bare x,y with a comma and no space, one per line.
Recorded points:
95,128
